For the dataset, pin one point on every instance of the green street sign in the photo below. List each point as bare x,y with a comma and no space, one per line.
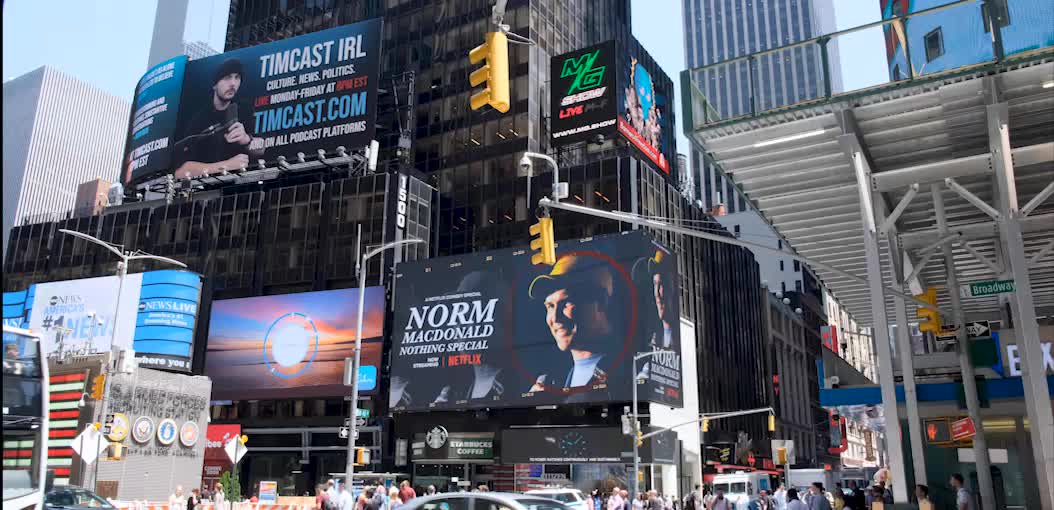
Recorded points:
989,288
362,413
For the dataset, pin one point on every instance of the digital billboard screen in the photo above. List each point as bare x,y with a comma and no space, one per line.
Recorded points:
645,115
583,94
314,91
493,330
156,317
293,345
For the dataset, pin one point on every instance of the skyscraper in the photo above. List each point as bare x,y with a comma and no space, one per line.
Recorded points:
58,133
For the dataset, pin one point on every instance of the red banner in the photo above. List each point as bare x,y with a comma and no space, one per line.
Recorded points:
638,141
216,460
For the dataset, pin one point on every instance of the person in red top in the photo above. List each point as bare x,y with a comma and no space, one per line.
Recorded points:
320,497
254,499
406,493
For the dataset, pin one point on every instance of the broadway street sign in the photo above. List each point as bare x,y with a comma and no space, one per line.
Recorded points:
988,288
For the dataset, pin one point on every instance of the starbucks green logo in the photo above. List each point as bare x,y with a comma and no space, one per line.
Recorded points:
586,76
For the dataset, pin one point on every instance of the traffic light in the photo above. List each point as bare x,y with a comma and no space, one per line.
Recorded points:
98,385
544,243
627,425
640,438
362,456
772,423
781,456
706,424
929,320
495,73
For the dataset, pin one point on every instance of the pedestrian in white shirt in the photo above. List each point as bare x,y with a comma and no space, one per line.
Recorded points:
963,498
793,503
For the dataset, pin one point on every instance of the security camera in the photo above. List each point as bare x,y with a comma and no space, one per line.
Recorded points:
526,164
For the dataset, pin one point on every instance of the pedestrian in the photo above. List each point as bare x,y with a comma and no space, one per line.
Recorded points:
639,502
780,497
254,499
406,493
194,499
793,503
344,499
177,501
332,492
321,498
219,498
764,502
653,501
817,499
963,498
615,500
430,491
839,499
719,502
692,500
922,494
394,500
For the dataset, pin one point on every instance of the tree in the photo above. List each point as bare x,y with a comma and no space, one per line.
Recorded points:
232,487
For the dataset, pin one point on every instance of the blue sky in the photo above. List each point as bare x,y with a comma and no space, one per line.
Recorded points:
89,42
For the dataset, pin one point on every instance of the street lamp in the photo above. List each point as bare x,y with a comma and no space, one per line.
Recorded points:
360,268
122,271
636,422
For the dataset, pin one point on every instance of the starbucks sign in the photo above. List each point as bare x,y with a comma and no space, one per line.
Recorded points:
455,446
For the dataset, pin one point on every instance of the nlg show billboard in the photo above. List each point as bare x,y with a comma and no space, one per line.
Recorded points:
493,330
315,91
293,345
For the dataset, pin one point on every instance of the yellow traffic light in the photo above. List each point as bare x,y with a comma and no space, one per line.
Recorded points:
98,386
495,73
544,244
706,424
772,423
929,320
640,438
362,456
781,456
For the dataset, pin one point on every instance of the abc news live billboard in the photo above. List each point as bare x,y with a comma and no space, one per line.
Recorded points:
157,315
493,330
600,91
315,91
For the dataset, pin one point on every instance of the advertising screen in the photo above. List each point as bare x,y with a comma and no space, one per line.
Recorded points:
493,330
293,345
157,315
583,93
644,115
153,120
315,91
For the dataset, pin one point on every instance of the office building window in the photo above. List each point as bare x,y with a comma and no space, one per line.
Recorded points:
783,285
781,265
934,44
797,285
779,243
797,266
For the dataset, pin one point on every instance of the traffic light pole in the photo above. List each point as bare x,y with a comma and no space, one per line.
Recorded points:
973,404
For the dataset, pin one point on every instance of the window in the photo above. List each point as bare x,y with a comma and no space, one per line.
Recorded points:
797,266
452,504
783,285
797,285
781,265
779,243
934,44
735,229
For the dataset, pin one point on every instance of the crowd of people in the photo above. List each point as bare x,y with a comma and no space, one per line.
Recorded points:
331,496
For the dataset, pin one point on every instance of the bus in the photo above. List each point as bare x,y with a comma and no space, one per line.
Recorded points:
25,420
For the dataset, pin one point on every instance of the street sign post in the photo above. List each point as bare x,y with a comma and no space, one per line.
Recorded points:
963,429
978,329
988,288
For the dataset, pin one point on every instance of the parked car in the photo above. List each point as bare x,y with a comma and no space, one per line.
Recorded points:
483,501
573,498
72,498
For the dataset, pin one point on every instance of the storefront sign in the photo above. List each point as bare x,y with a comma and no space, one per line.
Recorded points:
565,445
440,445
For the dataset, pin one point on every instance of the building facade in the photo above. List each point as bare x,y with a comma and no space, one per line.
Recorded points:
198,49
59,132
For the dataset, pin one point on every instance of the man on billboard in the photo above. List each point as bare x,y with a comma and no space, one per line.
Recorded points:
577,294
664,290
217,137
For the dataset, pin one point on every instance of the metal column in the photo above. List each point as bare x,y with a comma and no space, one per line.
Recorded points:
907,364
880,329
1034,381
973,404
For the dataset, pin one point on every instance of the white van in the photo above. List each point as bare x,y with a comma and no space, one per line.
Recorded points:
742,487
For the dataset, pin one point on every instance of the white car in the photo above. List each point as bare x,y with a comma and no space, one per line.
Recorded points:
570,497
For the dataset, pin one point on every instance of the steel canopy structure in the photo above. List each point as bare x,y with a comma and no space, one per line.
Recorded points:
938,179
